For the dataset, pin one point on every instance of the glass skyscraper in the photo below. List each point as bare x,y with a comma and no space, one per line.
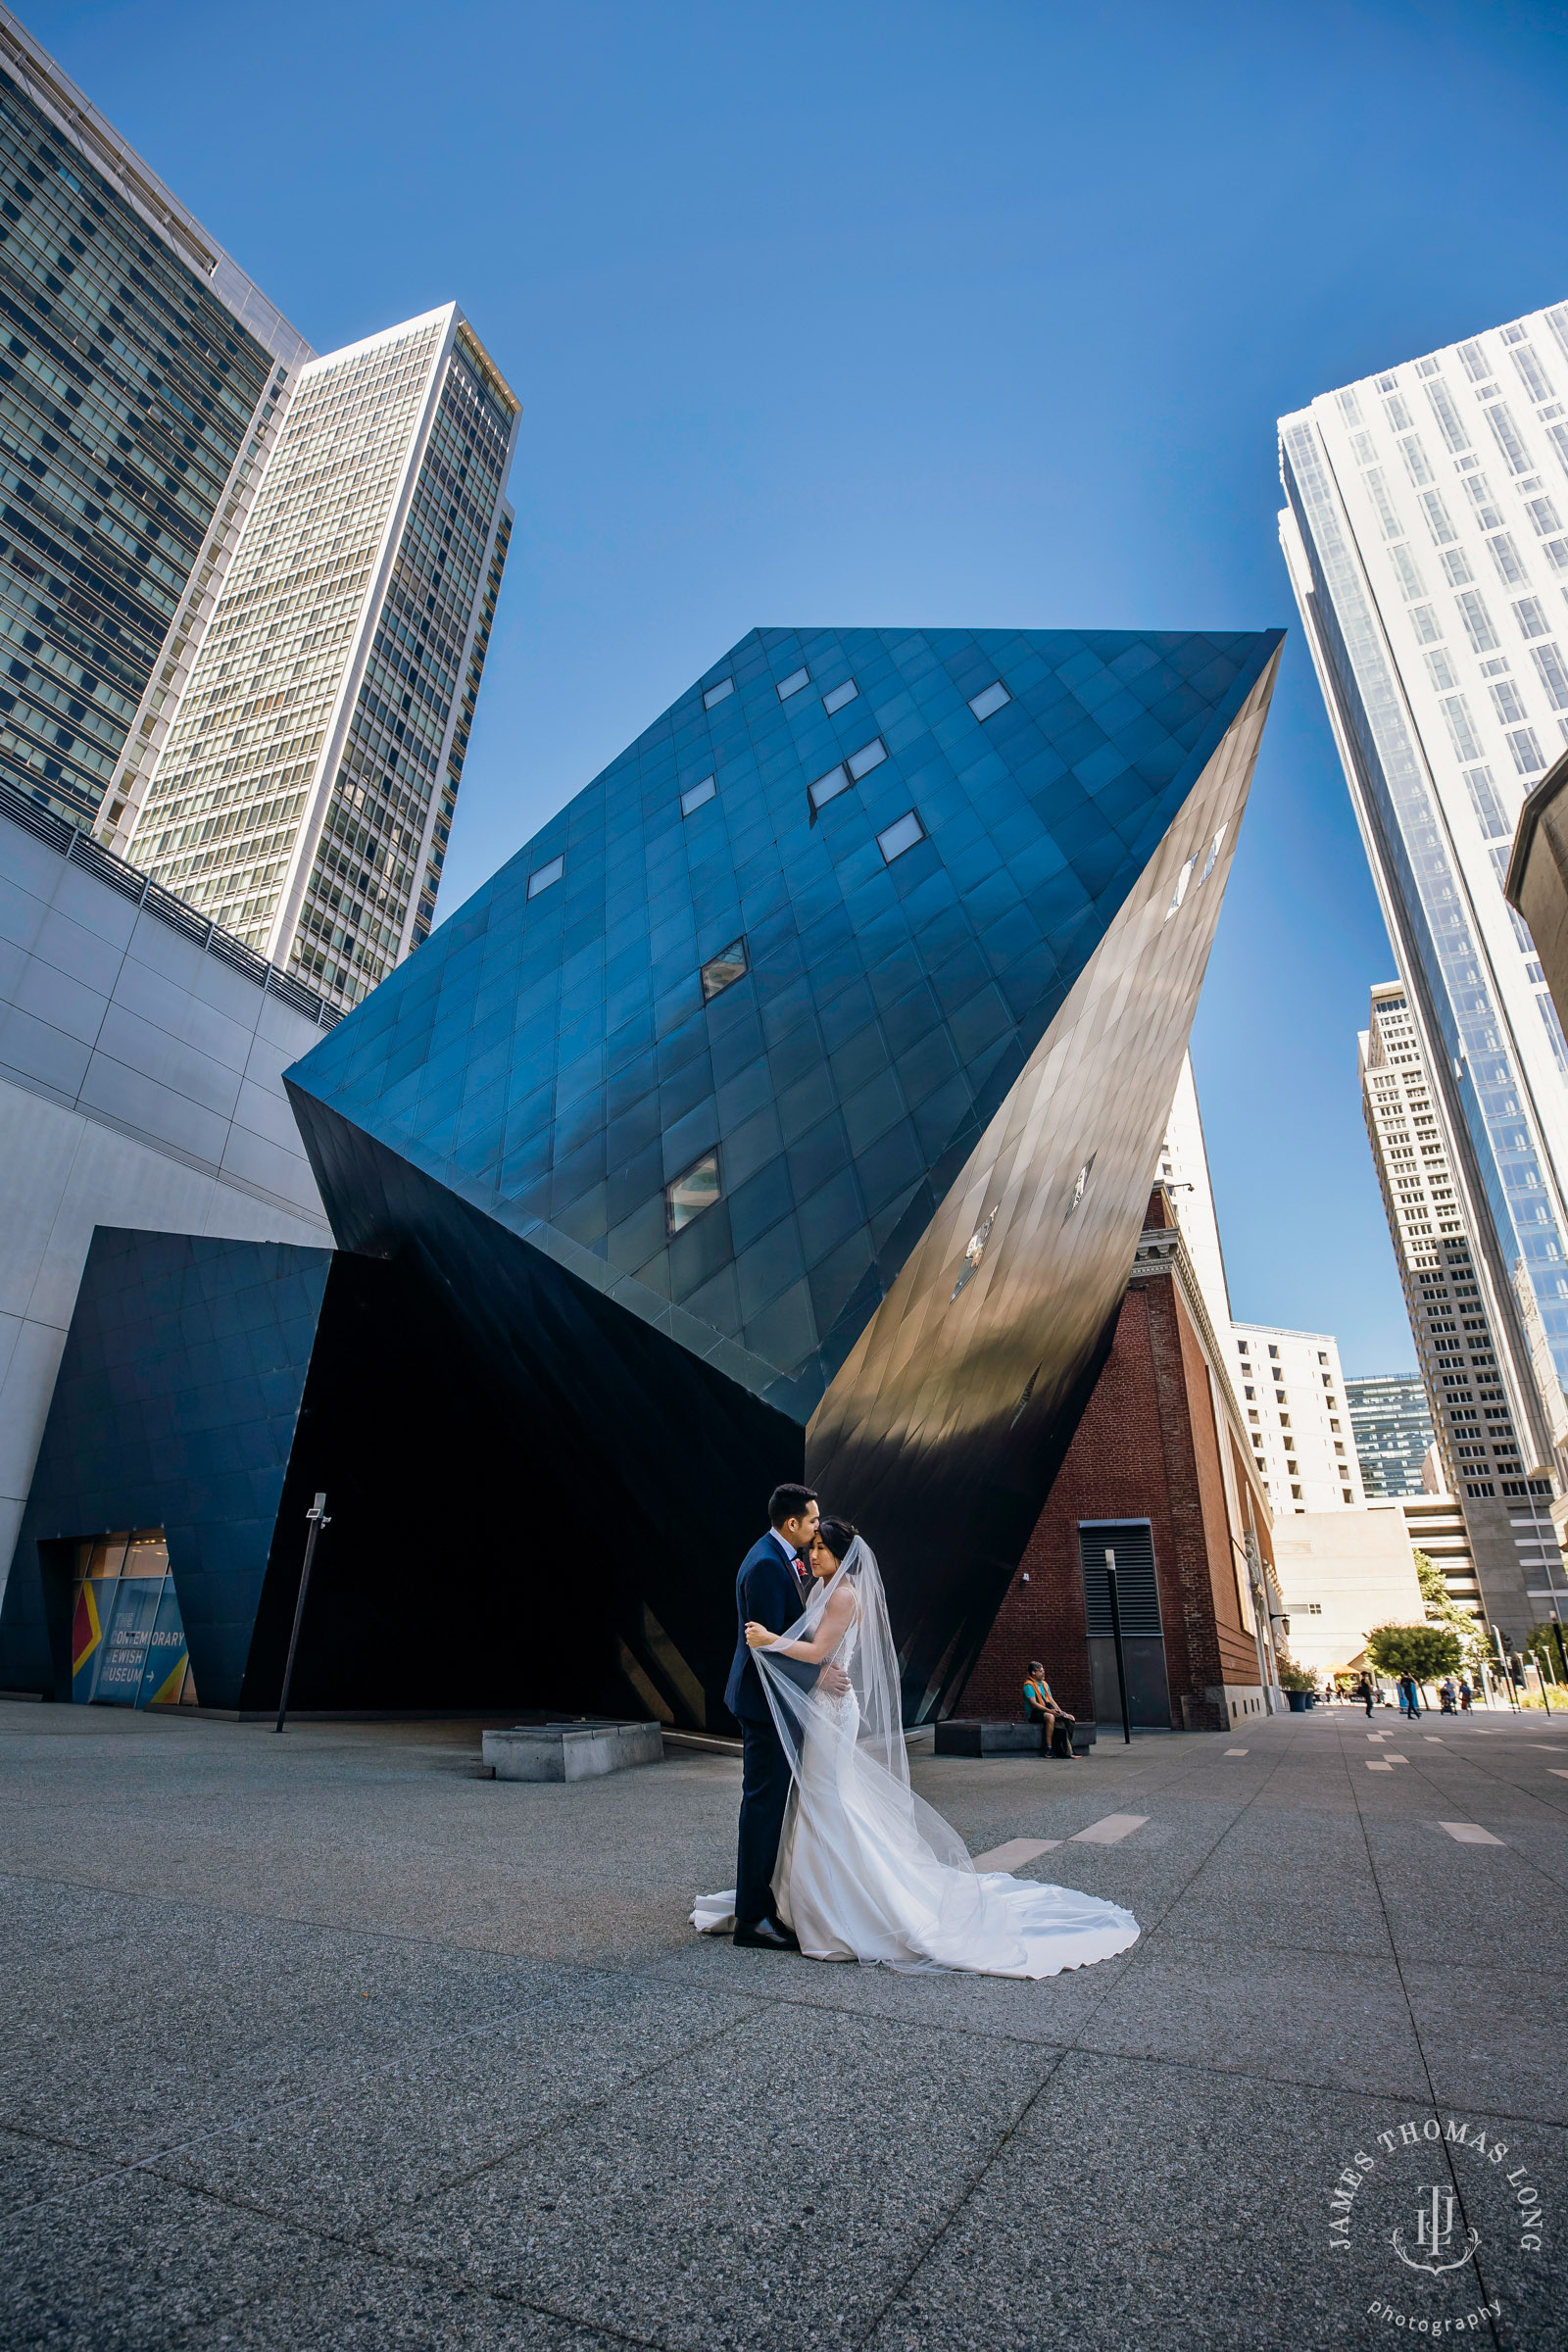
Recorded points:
305,794
141,378
1424,532
1392,1431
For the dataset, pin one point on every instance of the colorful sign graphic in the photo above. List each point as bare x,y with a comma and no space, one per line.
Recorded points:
127,1641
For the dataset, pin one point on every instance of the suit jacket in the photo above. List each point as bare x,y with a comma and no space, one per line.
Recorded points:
767,1591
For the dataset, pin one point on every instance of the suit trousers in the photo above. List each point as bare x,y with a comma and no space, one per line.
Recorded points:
764,1794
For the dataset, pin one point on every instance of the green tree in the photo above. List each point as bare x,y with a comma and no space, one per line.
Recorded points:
1441,1608
1428,1651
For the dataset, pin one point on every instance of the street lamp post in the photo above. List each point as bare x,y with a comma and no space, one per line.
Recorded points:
318,1519
1116,1635
1503,1670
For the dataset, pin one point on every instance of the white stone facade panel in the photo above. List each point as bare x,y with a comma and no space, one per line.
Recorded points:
140,1085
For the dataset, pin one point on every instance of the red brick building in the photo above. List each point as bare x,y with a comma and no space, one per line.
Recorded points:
1160,1471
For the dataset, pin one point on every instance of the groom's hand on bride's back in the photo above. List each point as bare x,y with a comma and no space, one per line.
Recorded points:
834,1681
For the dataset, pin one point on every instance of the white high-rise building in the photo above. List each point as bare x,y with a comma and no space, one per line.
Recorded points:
304,796
1184,1167
1426,533
1290,1385
1293,1394
1473,1384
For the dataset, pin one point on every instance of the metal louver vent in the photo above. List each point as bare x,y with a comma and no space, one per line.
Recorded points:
1133,1543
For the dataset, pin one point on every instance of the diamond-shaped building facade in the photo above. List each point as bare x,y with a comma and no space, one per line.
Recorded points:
787,1105
818,1053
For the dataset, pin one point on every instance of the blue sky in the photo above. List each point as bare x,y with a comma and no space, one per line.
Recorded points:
872,313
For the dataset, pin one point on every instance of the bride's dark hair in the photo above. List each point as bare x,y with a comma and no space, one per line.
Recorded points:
838,1535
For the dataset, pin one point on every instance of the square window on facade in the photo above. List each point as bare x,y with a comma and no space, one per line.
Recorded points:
993,698
697,795
901,837
722,970
718,693
691,1194
793,683
871,754
840,696
543,875
827,788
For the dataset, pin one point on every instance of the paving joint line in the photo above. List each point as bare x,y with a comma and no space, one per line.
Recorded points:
1415,2031
571,2111
964,2198
437,2265
1072,2046
421,2266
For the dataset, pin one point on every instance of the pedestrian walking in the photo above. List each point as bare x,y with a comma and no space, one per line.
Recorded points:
1366,1691
1467,1694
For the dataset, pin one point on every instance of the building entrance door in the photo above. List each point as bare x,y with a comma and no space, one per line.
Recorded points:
1141,1631
127,1641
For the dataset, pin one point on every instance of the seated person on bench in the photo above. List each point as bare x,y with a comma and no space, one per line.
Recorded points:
1041,1707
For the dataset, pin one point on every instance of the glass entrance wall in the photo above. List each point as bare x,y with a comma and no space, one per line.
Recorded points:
128,1640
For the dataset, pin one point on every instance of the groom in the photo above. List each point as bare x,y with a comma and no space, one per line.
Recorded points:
772,1588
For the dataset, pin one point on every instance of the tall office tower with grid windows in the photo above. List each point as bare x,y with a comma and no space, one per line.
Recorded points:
1426,533
1479,1396
142,380
305,794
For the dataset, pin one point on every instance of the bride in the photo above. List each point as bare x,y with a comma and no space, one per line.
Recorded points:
866,1869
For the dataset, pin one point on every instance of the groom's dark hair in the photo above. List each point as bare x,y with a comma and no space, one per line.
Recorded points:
787,1502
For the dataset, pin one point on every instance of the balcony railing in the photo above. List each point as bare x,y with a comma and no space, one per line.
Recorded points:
82,849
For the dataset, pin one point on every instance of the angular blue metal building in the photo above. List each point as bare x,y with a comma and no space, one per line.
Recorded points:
789,1103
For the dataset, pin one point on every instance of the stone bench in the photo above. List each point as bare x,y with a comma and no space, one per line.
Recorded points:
579,1747
969,1737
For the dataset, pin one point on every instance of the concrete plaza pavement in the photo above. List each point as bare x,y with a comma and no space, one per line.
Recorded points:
325,2041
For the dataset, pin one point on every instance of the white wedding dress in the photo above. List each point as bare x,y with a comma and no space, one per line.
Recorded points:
866,1869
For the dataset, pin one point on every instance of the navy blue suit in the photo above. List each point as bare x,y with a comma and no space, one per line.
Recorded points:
769,1592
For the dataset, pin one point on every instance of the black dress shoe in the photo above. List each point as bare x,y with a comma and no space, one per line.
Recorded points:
767,1935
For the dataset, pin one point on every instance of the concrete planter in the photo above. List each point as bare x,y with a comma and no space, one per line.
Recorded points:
583,1750
967,1736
